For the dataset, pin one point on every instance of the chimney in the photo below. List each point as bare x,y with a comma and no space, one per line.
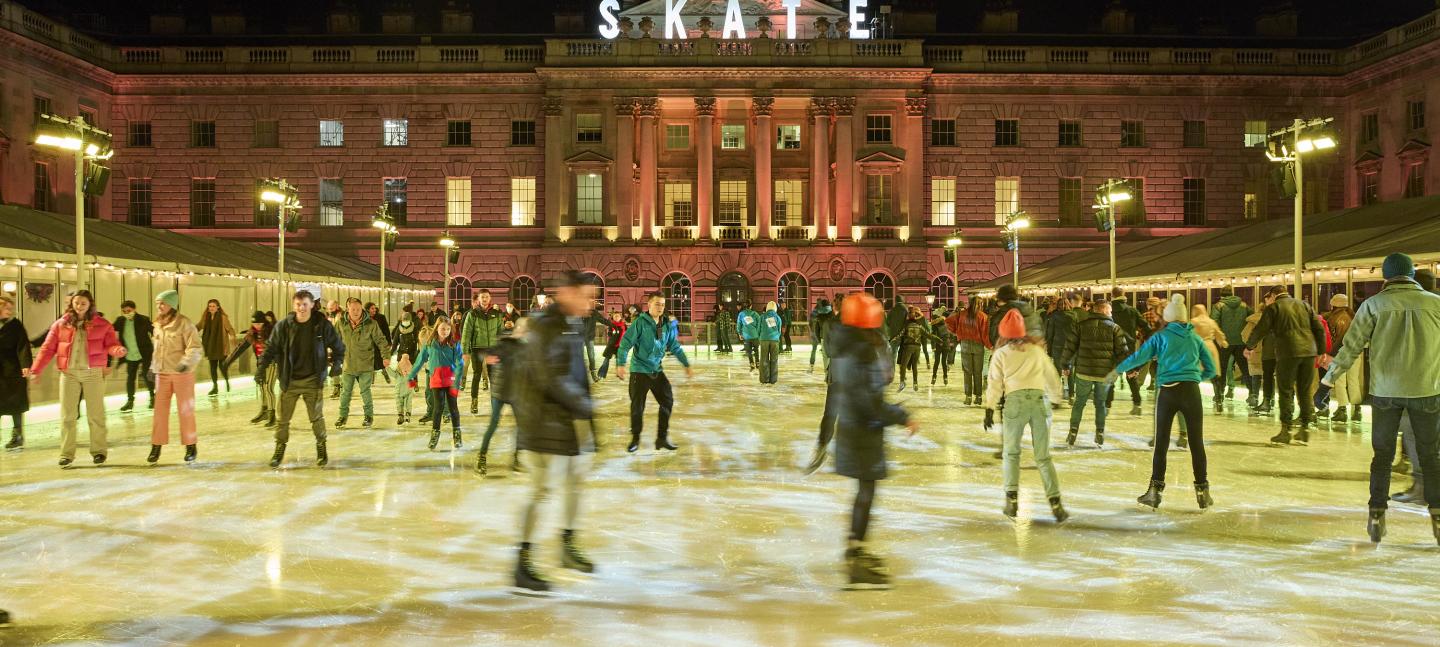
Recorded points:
1117,19
342,18
397,18
1001,17
1280,21
456,18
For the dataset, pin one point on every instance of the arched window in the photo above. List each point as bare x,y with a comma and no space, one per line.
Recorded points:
677,288
459,297
733,287
522,293
794,291
943,288
599,283
880,286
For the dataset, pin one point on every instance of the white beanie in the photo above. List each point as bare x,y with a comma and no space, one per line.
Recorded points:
1340,301
1175,310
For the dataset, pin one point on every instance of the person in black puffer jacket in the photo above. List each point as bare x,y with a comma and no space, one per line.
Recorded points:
1009,299
503,360
1059,330
1097,346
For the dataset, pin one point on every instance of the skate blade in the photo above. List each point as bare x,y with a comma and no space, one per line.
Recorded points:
531,593
866,586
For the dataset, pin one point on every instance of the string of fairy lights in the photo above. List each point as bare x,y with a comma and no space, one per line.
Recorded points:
1211,280
178,274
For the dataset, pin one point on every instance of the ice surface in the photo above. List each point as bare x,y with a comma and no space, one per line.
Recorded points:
722,543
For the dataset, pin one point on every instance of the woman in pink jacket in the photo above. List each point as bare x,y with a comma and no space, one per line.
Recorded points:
82,343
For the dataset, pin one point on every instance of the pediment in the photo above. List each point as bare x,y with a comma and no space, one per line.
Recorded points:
880,156
1413,149
588,159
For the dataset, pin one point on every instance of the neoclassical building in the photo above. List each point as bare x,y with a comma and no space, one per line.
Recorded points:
755,167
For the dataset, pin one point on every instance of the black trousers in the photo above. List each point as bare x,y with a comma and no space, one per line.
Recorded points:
785,344
1182,398
944,357
860,513
643,385
479,370
444,400
143,368
1294,376
218,369
1235,353
910,360
752,349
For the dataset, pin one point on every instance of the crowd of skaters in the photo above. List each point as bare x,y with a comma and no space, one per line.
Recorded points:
1019,358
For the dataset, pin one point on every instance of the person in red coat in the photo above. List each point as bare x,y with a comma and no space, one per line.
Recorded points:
616,325
82,343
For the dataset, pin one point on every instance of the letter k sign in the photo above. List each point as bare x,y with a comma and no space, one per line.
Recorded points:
674,28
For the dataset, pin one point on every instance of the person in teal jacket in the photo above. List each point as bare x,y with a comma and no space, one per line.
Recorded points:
444,357
748,323
771,330
1183,362
650,336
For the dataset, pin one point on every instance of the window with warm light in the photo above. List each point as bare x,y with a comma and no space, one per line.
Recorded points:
1007,198
332,202
879,196
789,208
1252,206
1256,133
733,208
942,201
457,201
732,137
679,206
587,128
522,201
589,199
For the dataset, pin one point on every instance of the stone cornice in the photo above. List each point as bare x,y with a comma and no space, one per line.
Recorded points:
869,75
974,82
99,75
451,83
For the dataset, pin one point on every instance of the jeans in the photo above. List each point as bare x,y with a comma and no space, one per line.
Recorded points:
1295,376
972,363
495,408
542,467
313,394
1028,407
1425,423
769,362
643,385
480,372
1182,398
1407,440
1096,391
348,381
944,357
142,367
182,386
87,383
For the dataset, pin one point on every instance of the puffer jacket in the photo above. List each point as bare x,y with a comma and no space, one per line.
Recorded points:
552,390
100,338
1059,329
1034,324
1291,327
1179,356
482,328
1096,348
1209,332
1230,313
859,366
177,345
502,384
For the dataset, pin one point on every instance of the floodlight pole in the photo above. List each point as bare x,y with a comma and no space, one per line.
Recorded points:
1299,214
955,256
80,282
281,270
1112,248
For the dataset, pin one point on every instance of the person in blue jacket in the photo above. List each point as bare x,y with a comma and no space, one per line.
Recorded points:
650,336
771,331
1183,362
748,323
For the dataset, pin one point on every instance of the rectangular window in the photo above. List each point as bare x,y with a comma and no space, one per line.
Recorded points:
879,196
942,132
1007,132
1256,133
1194,134
1369,128
202,202
267,133
522,201
1069,133
789,203
1369,188
397,190
202,134
42,187
732,137
1252,206
87,116
522,132
877,129
42,107
1007,198
1194,201
457,133
140,205
587,128
395,132
457,201
733,208
1072,205
679,206
332,202
1132,134
1131,213
332,132
677,137
1415,114
139,135
1415,180
589,199
787,137
942,201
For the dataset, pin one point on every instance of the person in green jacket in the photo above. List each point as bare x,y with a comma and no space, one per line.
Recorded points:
1230,312
748,323
651,338
478,336
771,332
363,340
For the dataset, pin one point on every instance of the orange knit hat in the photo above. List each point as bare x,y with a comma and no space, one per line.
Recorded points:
1012,325
861,310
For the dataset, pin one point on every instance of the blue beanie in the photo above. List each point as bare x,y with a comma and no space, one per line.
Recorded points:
1397,264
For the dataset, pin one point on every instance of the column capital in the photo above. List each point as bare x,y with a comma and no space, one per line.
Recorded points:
762,106
915,106
705,106
647,107
552,106
844,106
819,107
624,106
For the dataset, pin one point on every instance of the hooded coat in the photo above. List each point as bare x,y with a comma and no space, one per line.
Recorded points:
15,354
1034,325
1179,354
1230,314
859,372
1209,332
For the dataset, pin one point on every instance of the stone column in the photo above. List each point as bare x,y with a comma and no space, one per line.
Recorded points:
844,166
819,114
705,166
623,182
647,109
912,193
556,183
764,148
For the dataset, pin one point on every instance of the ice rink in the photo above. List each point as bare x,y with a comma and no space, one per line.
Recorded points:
721,543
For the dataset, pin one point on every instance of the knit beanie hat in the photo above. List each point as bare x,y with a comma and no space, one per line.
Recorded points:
170,298
1175,310
770,306
1397,264
1339,301
1012,325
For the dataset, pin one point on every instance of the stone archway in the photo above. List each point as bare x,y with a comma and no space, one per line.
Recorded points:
733,288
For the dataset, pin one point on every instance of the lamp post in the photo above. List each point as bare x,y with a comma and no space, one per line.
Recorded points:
88,142
1319,139
388,232
448,244
1111,192
953,244
286,199
1018,220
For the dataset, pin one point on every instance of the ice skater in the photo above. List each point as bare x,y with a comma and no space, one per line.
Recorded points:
970,326
82,343
503,359
366,344
1024,376
405,344
15,358
910,337
772,325
217,335
480,332
748,323
651,339
820,318
177,352
944,345
253,341
299,347
615,329
1182,361
1092,352
444,360
135,330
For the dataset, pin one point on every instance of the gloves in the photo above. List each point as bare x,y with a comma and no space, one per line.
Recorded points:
1111,377
183,368
413,385
454,392
989,419
1322,396
260,378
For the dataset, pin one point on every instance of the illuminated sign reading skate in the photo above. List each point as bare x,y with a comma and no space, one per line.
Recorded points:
781,13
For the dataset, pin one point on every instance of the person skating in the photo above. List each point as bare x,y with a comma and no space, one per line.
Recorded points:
480,333
1132,323
364,342
178,350
504,359
1059,330
1022,373
218,336
1007,299
1295,332
15,359
82,343
1230,313
748,325
724,328
379,365
1093,352
1208,330
1416,492
971,327
650,342
1349,389
1182,362
820,317
943,345
253,341
787,318
134,330
334,311
1400,327
1261,360
909,337
405,347
615,329
305,348
552,398
771,331
827,416
443,358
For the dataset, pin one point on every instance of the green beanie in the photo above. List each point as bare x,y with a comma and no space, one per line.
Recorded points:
170,298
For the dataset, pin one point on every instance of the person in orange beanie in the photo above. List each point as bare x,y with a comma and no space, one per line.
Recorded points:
1022,374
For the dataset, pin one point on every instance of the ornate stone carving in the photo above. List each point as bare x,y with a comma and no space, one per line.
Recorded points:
844,106
762,106
647,107
822,27
705,106
764,25
842,28
705,24
552,106
627,26
646,26
624,106
819,107
915,106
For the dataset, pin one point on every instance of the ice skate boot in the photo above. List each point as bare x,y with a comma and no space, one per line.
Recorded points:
98,459
190,453
1376,525
1355,413
1282,438
129,405
1070,437
434,438
1058,510
400,420
1012,504
17,440
867,572
570,555
279,456
321,457
1202,495
260,417
154,454
663,442
1135,410
480,467
1302,437
1325,413
340,422
1339,416
1099,437
368,422
1151,497
270,420
634,445
525,575
456,435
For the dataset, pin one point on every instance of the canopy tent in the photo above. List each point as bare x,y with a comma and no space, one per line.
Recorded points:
1351,240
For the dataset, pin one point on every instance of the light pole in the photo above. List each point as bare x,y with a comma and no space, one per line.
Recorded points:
1111,192
88,142
1018,220
953,244
388,235
1320,139
286,199
450,247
